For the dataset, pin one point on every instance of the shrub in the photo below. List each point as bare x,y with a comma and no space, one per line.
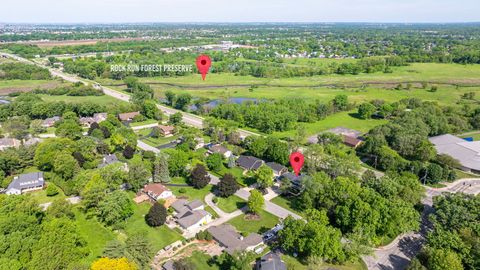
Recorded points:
52,190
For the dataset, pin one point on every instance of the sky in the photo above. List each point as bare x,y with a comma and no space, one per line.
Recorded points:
117,11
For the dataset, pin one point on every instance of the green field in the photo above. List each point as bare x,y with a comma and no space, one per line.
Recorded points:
230,204
265,223
158,237
295,264
8,86
190,193
102,100
144,136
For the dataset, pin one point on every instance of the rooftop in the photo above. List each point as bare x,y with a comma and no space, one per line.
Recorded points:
26,181
467,153
249,162
227,236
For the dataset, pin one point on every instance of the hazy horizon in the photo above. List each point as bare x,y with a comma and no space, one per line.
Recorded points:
246,11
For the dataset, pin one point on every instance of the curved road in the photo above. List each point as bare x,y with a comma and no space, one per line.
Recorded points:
397,255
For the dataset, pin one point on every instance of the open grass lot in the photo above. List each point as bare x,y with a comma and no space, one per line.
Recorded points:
10,86
158,237
41,195
474,135
295,264
200,261
102,100
344,119
94,233
146,122
190,193
266,222
231,203
144,136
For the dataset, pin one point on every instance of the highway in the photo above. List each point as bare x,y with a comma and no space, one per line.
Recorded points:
188,118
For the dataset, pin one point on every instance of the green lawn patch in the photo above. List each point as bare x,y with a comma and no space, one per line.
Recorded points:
287,203
41,195
200,261
94,233
265,223
230,204
294,263
101,100
158,237
190,192
211,211
143,123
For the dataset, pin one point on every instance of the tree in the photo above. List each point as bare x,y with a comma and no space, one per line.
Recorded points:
128,152
264,176
440,259
161,174
69,129
52,190
115,208
117,264
255,201
138,174
340,102
182,101
61,208
177,161
65,165
47,151
199,176
93,192
183,264
175,118
138,250
215,162
171,97
157,215
366,110
227,186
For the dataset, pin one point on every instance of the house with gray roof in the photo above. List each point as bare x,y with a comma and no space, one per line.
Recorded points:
110,159
191,215
9,143
467,153
350,137
249,163
232,241
49,122
25,183
278,169
270,261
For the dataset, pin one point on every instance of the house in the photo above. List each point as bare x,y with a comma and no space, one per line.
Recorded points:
191,215
351,137
270,261
277,169
168,265
32,141
295,182
467,153
108,159
217,148
9,143
157,191
200,143
228,237
166,130
50,122
249,163
126,117
97,118
25,183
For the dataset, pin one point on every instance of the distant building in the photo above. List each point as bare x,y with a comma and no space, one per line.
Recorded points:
218,148
97,118
125,117
270,261
228,237
9,143
50,122
249,163
108,159
351,137
200,143
166,130
467,153
32,141
277,169
25,183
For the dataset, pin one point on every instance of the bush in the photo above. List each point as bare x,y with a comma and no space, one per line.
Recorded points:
52,190
182,190
215,200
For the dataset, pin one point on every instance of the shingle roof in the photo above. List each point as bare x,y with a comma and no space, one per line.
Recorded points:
271,261
338,131
228,237
275,166
467,153
127,116
108,159
217,148
26,181
249,162
192,217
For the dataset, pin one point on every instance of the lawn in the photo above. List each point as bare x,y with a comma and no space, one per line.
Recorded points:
9,86
230,204
143,123
265,223
200,261
286,203
294,263
41,195
155,142
101,100
94,233
237,172
158,237
474,135
190,193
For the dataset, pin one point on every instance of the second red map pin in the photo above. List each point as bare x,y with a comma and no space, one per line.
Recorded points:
203,64
296,160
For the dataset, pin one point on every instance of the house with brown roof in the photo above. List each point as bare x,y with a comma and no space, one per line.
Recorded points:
154,192
232,241
166,131
125,117
97,118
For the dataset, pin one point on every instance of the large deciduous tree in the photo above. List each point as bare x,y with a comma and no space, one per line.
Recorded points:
255,201
227,186
199,176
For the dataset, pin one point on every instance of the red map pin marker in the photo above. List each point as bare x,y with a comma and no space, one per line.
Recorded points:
296,160
203,64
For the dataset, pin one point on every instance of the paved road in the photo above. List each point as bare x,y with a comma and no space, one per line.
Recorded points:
397,255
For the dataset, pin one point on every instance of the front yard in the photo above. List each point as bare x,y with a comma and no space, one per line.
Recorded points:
265,223
230,204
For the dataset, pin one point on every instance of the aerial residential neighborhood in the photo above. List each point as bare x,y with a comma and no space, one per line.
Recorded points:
240,135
